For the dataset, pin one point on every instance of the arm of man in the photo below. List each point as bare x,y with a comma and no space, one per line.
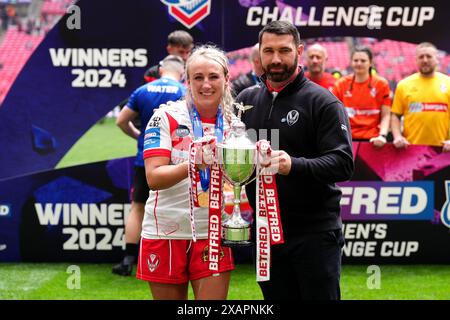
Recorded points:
397,112
399,140
446,146
334,145
162,175
123,121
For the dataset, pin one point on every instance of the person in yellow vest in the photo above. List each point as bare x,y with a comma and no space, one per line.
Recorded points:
423,99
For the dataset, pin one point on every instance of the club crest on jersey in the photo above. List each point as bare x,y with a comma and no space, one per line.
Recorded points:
188,12
292,117
153,262
445,211
443,88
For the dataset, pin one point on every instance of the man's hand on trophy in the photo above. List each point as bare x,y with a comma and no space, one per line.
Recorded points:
280,162
264,152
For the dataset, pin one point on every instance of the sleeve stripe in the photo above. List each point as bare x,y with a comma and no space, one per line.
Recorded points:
157,153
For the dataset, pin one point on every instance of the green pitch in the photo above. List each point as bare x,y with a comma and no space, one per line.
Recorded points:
96,282
103,141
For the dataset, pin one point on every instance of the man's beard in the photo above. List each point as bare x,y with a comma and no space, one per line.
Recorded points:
426,70
282,76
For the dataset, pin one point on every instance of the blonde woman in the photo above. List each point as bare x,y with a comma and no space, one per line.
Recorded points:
169,259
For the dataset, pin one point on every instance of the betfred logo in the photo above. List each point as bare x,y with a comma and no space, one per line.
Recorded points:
374,200
188,12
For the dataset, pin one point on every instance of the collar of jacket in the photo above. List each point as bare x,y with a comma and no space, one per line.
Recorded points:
292,86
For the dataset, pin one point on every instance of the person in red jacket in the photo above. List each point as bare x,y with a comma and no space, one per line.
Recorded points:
316,58
367,99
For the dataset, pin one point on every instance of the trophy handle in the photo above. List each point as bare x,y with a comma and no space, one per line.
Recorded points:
250,181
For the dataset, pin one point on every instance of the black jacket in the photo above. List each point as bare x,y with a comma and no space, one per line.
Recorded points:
244,81
314,130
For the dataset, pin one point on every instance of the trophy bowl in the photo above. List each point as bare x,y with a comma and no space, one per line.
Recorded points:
237,160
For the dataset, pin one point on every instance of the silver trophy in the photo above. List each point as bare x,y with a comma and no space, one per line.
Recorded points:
237,155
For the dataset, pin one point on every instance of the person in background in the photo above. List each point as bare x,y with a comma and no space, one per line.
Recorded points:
169,258
142,104
251,78
315,153
316,59
367,99
423,100
179,43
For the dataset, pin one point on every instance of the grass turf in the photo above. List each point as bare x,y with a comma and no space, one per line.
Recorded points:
103,141
50,282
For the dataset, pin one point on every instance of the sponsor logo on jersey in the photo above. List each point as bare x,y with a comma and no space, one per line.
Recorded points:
427,107
152,138
182,131
352,112
188,12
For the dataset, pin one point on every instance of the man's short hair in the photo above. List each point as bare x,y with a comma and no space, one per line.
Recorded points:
426,45
319,47
173,63
180,38
254,52
281,28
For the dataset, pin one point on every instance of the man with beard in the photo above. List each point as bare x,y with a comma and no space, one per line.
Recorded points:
315,151
316,58
424,100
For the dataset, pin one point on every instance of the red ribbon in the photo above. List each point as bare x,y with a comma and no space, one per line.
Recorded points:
268,221
215,216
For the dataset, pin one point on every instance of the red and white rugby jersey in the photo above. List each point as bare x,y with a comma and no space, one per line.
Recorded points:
169,133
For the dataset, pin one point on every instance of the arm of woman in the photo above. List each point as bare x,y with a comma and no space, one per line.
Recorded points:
385,120
161,174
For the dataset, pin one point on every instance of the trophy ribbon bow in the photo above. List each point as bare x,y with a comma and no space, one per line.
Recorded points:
269,230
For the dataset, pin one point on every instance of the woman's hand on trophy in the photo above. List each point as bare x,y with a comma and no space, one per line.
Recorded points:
206,153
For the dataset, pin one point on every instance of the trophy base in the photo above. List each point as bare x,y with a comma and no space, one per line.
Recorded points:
236,244
236,237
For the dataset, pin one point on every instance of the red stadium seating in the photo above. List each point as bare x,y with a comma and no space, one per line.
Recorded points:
15,51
